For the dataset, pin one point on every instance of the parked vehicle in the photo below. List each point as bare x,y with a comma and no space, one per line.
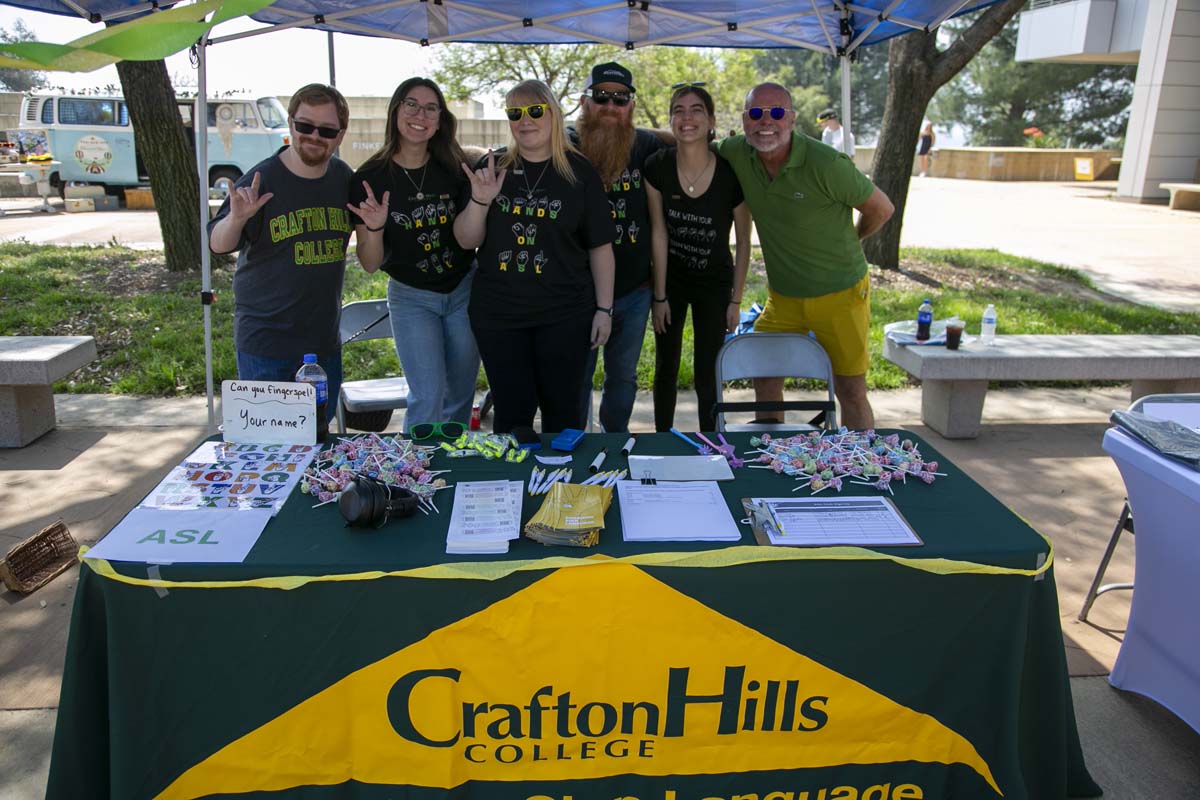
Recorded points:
93,139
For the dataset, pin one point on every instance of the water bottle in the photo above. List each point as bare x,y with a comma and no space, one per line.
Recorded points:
924,320
312,373
987,328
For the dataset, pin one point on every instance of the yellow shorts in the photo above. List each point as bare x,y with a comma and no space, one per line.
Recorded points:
839,320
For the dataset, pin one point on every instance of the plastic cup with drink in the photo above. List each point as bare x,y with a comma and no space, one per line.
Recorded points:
954,332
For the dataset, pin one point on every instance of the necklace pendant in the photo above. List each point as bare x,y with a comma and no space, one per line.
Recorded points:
420,195
691,190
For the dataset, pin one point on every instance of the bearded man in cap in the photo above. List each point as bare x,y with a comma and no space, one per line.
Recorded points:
606,135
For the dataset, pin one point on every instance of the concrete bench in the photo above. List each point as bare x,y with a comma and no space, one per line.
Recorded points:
954,382
1184,196
29,366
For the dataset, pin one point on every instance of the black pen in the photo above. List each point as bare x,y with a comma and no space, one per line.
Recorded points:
598,460
628,448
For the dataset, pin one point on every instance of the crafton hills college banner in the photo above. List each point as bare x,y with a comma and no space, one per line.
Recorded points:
536,698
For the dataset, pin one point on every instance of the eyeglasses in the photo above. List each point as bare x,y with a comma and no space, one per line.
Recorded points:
534,111
412,108
602,96
425,430
307,128
777,112
688,83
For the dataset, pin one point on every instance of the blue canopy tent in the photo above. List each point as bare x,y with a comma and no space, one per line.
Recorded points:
835,27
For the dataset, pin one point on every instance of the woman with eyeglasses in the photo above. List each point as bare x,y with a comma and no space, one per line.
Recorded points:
543,292
407,196
694,199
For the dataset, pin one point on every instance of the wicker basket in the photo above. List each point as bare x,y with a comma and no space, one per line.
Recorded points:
37,560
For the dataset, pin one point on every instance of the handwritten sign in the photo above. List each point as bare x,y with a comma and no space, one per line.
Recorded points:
266,412
157,536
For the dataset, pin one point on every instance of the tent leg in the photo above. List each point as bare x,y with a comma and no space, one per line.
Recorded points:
846,111
200,125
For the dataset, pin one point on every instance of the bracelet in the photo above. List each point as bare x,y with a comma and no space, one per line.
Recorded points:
608,310
480,202
660,299
375,230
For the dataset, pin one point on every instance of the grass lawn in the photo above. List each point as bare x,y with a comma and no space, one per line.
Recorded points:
149,326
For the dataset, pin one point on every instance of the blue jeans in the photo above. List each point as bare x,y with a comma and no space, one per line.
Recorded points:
630,312
261,368
437,351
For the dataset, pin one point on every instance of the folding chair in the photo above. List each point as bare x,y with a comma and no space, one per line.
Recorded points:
775,355
368,405
1125,519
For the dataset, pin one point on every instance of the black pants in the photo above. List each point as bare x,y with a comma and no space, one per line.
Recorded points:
708,334
538,367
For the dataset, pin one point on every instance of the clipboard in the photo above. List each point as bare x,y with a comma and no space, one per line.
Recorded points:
759,517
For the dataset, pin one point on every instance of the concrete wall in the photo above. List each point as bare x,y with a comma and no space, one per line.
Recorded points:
1162,143
1002,163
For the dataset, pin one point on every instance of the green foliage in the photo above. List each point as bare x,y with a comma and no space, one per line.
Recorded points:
820,77
151,338
727,75
997,98
20,80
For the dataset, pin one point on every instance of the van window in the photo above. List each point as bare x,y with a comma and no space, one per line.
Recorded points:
272,112
240,114
48,111
87,111
123,119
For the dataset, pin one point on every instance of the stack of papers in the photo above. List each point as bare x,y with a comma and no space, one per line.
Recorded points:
831,521
679,468
486,517
675,512
572,515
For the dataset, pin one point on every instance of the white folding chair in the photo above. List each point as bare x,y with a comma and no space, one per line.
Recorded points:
1125,519
367,405
775,355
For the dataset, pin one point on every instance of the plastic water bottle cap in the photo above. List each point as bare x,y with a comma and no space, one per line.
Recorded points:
310,358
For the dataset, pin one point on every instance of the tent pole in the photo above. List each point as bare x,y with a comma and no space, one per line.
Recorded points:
846,111
200,129
332,70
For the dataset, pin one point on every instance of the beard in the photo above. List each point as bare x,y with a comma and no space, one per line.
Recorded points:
307,157
606,141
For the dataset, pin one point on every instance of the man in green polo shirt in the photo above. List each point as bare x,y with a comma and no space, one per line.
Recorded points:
802,193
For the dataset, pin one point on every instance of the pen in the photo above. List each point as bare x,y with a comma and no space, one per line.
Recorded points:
628,448
598,460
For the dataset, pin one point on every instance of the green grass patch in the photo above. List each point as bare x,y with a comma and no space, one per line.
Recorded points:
149,324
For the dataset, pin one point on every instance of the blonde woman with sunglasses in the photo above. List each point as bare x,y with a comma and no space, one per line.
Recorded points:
543,293
406,197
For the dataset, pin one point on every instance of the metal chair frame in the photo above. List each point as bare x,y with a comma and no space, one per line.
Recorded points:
361,321
773,355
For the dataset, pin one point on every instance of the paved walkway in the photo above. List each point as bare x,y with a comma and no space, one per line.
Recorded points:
1144,253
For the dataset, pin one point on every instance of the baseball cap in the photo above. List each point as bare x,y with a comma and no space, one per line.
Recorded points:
828,113
610,72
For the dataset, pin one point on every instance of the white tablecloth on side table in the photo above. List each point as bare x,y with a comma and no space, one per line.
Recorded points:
1160,656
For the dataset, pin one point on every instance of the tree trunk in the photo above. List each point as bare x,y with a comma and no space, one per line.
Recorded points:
916,69
162,142
910,88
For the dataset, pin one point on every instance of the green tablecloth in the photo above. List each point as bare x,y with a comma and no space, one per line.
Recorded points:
894,681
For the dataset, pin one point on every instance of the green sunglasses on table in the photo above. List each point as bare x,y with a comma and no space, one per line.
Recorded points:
426,430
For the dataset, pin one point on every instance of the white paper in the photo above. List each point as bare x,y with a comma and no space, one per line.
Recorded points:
485,517
825,521
160,536
269,411
680,468
225,476
1187,414
694,511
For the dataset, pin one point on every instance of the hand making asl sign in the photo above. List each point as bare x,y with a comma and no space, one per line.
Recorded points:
244,202
485,182
372,212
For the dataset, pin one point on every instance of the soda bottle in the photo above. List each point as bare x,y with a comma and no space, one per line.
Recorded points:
987,328
311,372
924,320
476,417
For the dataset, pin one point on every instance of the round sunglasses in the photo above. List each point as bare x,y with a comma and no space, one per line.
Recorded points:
777,112
535,111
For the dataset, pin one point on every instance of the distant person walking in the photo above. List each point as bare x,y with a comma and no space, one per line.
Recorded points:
832,132
928,137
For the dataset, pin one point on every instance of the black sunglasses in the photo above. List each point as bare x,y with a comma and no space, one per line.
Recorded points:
307,129
424,430
756,112
602,96
534,111
688,83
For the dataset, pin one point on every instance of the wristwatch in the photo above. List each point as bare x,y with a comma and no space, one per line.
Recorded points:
608,310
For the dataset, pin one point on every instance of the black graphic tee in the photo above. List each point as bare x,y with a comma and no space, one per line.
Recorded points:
697,227
287,288
419,248
533,263
627,199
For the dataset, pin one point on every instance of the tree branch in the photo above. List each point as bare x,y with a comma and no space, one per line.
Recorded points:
951,61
